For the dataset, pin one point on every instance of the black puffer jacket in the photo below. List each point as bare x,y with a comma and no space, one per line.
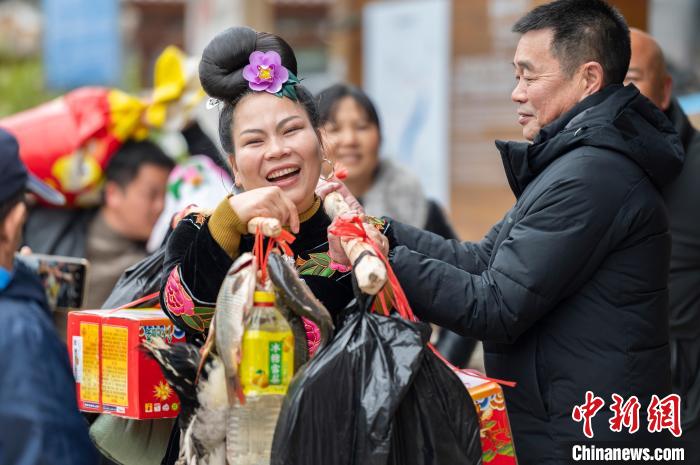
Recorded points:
569,290
682,198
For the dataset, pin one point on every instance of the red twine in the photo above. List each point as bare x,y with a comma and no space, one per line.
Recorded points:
262,254
352,228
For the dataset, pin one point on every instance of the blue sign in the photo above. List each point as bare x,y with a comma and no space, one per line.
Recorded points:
81,43
690,103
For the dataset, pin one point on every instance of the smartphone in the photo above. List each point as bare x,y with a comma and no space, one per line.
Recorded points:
64,279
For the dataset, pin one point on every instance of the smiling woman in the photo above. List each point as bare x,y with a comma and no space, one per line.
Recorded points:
275,145
268,124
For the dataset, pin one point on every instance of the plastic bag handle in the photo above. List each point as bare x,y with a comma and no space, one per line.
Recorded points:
137,302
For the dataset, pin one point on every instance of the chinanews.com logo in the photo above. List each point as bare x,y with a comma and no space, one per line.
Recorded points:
662,415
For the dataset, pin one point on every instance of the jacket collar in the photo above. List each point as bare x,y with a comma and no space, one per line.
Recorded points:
616,119
680,121
523,161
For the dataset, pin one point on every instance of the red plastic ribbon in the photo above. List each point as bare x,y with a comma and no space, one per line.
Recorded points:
137,302
352,228
477,374
471,372
340,172
262,254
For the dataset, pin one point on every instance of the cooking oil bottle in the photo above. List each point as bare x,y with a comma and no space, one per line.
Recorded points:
266,368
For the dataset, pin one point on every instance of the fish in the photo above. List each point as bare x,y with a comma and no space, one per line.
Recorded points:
294,296
233,306
204,403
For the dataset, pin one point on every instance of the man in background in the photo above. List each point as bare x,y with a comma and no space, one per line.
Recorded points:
648,72
38,411
113,236
134,197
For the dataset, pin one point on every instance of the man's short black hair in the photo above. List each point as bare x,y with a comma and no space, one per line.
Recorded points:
126,163
584,30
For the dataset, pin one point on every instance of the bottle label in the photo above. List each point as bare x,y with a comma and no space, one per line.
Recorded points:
267,363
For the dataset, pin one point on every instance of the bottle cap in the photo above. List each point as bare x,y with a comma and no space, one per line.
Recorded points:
264,297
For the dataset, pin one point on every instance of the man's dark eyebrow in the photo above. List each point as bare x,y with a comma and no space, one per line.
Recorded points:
524,64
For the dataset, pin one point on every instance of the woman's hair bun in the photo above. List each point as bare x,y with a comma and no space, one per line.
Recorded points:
223,60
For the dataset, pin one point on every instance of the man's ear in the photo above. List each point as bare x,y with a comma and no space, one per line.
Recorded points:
13,222
113,193
667,92
592,78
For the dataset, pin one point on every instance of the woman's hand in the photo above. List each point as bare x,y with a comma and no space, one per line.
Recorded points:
268,202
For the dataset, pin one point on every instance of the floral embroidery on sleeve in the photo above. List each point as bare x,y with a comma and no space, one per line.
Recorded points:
178,301
313,336
378,223
318,264
176,298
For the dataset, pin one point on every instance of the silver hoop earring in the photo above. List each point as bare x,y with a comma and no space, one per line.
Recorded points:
332,165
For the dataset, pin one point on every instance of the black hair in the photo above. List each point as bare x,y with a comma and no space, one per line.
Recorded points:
221,73
125,164
584,30
328,99
9,203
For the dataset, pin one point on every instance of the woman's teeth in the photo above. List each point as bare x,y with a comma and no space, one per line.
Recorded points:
279,174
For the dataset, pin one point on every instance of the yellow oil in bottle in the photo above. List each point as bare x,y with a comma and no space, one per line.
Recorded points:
267,364
266,369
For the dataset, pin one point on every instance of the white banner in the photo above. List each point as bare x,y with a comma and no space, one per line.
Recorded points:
406,49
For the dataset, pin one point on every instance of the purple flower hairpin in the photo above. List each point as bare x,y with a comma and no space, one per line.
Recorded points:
265,72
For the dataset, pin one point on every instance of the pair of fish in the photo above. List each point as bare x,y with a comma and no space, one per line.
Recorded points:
208,378
234,304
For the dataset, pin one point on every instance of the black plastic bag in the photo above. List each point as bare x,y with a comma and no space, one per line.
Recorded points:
436,422
377,395
139,280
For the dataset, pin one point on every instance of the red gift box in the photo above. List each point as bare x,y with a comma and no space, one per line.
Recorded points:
496,437
113,374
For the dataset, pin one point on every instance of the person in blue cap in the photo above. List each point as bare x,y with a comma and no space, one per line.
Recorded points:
39,416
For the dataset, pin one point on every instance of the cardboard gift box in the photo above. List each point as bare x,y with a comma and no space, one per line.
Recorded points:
496,437
113,374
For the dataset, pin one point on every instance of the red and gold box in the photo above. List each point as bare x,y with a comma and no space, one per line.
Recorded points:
496,437
113,374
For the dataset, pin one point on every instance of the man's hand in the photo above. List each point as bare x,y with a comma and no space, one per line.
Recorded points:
323,188
337,254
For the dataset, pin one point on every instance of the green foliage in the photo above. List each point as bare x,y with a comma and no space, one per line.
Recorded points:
22,85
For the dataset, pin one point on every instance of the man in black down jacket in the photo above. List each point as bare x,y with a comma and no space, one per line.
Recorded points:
569,291
648,72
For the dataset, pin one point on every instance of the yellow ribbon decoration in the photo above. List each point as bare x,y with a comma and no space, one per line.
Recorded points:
176,89
126,116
